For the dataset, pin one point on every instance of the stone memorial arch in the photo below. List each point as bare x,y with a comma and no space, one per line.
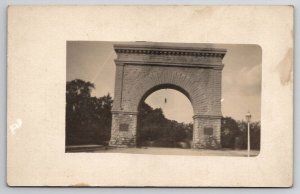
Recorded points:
142,69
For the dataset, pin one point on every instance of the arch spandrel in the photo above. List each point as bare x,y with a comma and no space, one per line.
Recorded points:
194,88
160,80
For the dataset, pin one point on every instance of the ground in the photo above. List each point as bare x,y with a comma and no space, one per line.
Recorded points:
162,151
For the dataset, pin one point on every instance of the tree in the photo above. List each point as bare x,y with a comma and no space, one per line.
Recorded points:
150,121
229,131
254,134
153,126
234,134
88,119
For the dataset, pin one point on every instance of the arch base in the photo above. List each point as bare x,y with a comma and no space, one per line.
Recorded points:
123,133
206,131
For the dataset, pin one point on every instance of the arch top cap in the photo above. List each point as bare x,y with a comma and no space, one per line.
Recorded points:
175,49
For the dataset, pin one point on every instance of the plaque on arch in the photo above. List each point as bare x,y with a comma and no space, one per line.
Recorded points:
124,127
208,131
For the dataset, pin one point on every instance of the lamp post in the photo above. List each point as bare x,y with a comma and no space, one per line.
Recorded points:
248,119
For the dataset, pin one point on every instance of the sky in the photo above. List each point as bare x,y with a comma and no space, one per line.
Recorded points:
241,79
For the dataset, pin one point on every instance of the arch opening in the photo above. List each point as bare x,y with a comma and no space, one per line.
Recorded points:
164,86
165,118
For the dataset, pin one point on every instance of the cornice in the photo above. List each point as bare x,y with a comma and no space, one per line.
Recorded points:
207,116
171,52
124,112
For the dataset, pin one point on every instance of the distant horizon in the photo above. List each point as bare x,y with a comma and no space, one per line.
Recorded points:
93,61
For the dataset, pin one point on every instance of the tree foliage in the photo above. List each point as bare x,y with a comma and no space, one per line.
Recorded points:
254,135
88,119
154,127
229,131
234,134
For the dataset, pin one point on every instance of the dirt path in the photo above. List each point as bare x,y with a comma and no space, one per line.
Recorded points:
177,151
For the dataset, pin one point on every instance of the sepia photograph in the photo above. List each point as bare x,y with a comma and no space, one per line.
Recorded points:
150,96
163,98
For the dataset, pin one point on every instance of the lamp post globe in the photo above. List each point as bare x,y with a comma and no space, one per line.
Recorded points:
248,117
